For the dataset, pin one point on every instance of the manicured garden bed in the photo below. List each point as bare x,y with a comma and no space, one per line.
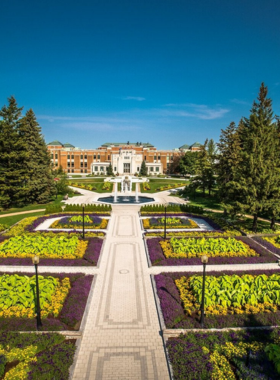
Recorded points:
63,299
171,222
180,305
256,253
31,356
272,243
53,249
77,222
227,355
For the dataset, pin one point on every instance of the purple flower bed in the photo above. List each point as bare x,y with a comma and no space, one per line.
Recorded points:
72,311
174,314
267,245
190,361
90,258
158,259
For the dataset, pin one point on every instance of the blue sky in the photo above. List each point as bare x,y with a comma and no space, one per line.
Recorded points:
168,72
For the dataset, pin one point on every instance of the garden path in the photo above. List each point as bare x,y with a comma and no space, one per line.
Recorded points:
121,334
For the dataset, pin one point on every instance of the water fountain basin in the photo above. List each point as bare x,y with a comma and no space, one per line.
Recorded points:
125,199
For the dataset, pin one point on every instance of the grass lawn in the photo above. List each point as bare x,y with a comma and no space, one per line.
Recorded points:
34,206
156,183
10,220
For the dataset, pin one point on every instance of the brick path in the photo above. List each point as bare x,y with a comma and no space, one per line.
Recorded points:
121,336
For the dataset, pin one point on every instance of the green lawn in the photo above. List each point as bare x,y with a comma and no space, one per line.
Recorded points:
10,220
98,186
159,184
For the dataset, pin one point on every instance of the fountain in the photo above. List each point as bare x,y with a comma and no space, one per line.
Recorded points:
126,187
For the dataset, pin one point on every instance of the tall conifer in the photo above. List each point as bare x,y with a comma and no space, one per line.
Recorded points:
12,154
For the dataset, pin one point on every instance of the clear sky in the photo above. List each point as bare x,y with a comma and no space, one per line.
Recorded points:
168,72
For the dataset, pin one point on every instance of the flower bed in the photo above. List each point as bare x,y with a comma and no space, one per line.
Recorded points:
225,355
18,295
90,256
157,256
175,316
268,244
76,221
67,318
32,356
171,222
57,247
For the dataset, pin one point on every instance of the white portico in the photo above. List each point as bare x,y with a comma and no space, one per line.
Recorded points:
126,162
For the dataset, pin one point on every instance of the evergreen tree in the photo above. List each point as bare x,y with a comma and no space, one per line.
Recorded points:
110,170
188,162
255,180
143,169
39,183
12,154
227,166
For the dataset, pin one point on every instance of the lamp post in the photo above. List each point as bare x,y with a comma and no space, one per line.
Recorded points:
165,207
83,206
35,261
204,260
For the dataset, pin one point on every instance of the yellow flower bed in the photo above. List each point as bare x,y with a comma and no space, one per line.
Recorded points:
192,305
78,252
272,240
169,252
222,354
52,307
26,355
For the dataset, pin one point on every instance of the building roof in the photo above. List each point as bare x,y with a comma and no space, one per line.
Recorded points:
196,145
55,142
68,145
186,146
146,145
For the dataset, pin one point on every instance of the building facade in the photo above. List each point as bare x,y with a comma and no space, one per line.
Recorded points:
125,158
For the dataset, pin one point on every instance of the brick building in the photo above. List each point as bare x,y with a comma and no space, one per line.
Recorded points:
125,158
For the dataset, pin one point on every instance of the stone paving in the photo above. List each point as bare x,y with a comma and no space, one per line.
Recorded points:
121,337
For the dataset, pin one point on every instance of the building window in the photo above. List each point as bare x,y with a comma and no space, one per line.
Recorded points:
81,170
82,156
72,170
157,169
96,168
151,169
145,158
101,169
85,170
68,170
85,157
72,164
108,156
94,156
155,157
56,156
56,164
115,169
68,164
82,164
68,156
138,168
98,157
158,158
72,156
85,164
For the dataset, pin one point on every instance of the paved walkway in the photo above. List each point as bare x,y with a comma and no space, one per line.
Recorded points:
121,336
